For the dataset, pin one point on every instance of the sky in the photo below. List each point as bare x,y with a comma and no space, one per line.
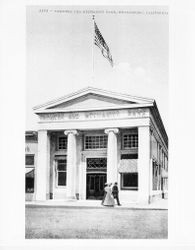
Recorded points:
60,53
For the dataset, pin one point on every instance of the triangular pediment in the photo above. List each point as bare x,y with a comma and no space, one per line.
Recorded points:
92,98
92,101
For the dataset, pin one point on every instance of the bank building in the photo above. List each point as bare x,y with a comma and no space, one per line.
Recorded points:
95,136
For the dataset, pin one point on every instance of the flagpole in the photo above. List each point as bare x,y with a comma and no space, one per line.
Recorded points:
93,37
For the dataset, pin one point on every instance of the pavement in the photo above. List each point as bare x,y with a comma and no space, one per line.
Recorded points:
161,204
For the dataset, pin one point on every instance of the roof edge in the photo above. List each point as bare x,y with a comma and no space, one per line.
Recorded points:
92,90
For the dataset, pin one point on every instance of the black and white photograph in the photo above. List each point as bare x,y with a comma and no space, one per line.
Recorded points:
97,124
96,139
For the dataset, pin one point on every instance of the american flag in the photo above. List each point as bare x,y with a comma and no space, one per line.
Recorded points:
100,42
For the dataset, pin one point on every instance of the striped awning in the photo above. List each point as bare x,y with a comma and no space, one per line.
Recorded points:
29,172
128,166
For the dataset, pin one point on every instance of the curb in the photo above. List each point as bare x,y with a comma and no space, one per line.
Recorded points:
91,207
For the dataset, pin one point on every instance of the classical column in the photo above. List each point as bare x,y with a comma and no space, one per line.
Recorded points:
112,173
82,178
143,164
71,163
41,177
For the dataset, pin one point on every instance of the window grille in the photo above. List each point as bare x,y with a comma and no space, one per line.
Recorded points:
96,164
62,142
95,142
130,141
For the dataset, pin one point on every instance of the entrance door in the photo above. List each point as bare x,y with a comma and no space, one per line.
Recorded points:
95,186
96,178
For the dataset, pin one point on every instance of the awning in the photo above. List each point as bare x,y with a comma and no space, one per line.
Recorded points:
128,166
164,173
29,172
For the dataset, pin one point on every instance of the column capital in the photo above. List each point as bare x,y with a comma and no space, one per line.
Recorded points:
114,130
73,131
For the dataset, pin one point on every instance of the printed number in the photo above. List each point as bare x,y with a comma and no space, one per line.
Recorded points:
43,10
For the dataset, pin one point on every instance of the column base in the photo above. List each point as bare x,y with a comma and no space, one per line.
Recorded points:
71,198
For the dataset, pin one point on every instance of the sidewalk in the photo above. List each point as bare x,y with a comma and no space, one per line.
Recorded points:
161,204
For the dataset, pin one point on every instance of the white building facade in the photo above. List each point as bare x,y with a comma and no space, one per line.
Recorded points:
94,136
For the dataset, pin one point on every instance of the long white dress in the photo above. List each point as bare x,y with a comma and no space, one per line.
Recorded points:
109,200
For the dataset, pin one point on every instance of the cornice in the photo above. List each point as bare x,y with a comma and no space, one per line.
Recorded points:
90,90
127,106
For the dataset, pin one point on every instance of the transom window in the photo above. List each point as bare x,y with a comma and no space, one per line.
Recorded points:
130,141
62,142
95,141
96,164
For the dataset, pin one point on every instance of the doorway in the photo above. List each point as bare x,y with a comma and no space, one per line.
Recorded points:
96,178
95,186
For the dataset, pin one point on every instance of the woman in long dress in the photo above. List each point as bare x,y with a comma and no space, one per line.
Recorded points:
109,199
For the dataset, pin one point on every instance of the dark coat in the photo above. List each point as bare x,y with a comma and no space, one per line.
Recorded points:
115,191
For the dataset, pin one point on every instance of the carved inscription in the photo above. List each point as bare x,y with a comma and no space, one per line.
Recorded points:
73,116
93,115
102,114
136,112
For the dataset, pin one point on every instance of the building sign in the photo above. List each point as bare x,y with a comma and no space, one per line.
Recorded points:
94,115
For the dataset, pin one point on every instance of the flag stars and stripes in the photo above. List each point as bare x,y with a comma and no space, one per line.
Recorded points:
101,44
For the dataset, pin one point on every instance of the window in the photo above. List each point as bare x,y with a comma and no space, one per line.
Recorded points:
61,172
159,178
29,177
29,160
96,164
129,181
62,142
31,137
130,141
156,176
95,141
29,180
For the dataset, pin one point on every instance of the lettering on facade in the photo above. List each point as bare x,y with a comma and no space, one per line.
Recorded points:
73,116
52,117
102,114
136,112
93,115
